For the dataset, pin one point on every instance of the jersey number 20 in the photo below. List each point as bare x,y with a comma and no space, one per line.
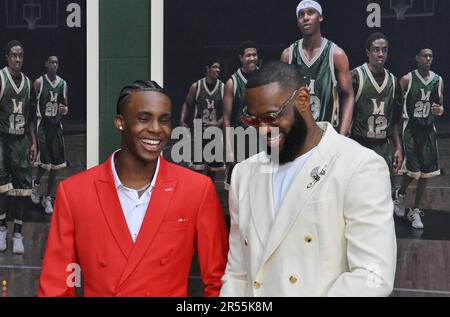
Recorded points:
422,109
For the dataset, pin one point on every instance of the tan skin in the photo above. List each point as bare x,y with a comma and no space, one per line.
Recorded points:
308,22
146,116
424,61
212,75
14,60
52,65
249,61
268,98
377,56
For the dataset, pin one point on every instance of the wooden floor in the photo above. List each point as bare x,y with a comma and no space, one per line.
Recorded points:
423,263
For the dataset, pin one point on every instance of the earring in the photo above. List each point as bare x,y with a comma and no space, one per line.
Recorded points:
121,128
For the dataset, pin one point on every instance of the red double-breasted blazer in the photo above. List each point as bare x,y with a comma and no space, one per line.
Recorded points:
88,229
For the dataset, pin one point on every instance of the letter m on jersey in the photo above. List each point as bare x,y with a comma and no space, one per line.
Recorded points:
378,108
53,96
425,96
17,107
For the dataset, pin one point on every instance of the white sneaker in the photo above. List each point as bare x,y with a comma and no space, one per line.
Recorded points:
47,204
17,240
399,203
35,198
3,234
414,217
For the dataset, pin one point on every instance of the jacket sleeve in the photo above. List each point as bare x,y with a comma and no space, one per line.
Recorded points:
60,269
370,232
235,278
211,240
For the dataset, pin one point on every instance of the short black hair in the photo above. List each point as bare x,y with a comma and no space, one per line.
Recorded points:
12,44
138,85
247,44
373,37
288,76
209,61
421,48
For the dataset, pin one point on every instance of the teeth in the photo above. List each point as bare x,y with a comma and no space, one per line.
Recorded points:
151,142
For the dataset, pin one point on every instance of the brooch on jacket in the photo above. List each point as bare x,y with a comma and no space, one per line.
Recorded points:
315,174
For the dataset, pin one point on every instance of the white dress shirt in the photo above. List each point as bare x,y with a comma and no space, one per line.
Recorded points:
283,178
134,207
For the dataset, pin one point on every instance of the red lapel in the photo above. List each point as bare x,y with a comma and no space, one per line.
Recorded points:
112,209
161,197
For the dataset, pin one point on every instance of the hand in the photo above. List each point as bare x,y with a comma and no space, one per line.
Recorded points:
63,109
210,123
33,153
398,160
437,109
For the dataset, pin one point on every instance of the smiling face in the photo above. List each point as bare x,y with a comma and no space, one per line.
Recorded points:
146,124
308,21
249,60
292,128
378,53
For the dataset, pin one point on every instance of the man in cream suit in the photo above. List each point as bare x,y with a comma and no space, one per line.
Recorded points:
320,222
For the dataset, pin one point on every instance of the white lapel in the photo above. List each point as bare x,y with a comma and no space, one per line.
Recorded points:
260,195
300,191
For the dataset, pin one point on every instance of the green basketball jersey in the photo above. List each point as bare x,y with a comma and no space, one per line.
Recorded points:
420,96
49,97
373,114
320,75
14,104
209,103
239,82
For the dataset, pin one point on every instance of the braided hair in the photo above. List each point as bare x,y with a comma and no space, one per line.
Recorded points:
138,85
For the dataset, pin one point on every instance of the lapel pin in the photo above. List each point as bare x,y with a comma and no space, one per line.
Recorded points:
315,174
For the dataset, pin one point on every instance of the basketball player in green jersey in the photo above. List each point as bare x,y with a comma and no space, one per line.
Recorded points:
18,146
326,67
424,99
377,115
51,91
233,101
205,100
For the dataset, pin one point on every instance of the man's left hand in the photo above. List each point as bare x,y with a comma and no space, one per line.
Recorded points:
398,159
63,109
437,109
210,124
33,153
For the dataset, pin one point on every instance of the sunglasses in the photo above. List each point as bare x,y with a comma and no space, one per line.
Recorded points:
268,118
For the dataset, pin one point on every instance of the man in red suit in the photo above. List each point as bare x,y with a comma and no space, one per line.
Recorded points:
132,224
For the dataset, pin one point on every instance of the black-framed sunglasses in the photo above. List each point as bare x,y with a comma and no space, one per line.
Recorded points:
268,118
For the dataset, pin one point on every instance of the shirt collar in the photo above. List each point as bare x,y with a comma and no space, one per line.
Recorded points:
117,181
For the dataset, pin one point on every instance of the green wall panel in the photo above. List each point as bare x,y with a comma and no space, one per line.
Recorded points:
124,57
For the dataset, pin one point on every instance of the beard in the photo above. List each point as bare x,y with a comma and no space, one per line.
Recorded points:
294,140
